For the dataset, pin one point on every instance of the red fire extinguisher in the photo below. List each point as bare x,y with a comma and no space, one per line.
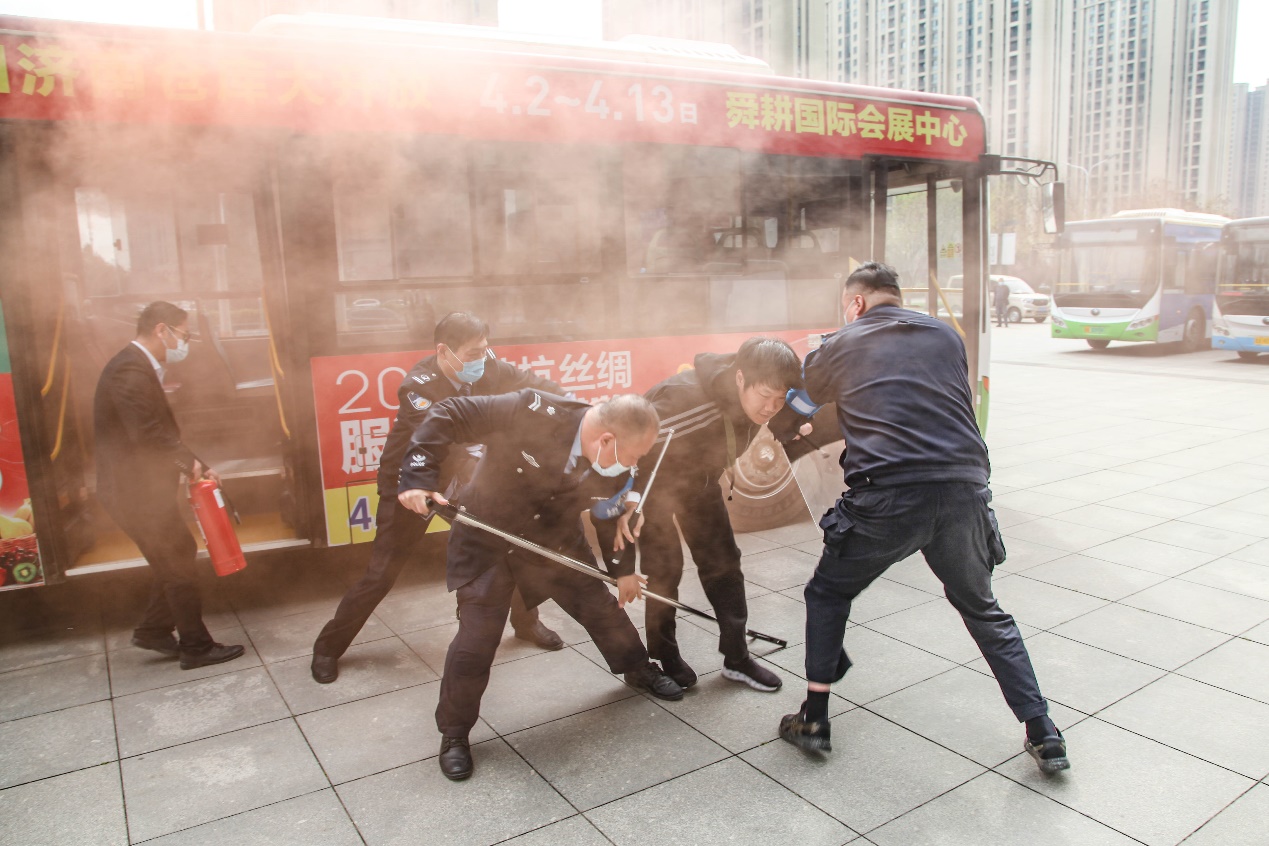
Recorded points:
209,504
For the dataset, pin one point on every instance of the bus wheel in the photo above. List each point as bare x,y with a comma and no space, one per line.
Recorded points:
1248,355
763,492
1013,315
1040,319
1098,345
1195,332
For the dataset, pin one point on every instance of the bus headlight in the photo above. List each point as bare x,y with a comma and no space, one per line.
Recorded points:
1057,321
1220,330
1141,323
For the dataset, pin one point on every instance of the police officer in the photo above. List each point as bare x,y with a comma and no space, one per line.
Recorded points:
715,409
462,365
547,459
917,470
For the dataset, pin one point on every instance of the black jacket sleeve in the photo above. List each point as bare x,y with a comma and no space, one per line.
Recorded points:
146,425
508,377
453,422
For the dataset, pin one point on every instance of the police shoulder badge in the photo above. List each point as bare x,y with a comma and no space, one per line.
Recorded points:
423,378
417,401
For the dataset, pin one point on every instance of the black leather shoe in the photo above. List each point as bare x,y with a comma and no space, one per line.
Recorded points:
650,679
217,653
325,668
163,645
455,760
677,669
541,637
813,737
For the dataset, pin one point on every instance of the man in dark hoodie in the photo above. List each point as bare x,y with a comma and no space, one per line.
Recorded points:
715,410
917,470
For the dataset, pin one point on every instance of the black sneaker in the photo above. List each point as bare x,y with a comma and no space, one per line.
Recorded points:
813,737
165,645
677,669
1049,753
752,673
217,653
650,679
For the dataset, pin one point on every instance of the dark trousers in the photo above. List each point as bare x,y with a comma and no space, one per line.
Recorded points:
483,604
1002,315
159,532
952,524
702,516
398,535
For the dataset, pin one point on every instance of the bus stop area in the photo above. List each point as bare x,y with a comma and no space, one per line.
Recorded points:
1132,486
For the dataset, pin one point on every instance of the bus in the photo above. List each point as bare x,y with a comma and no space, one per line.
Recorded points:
1146,275
319,192
1240,315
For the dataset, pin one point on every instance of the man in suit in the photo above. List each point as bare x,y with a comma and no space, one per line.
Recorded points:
548,459
140,459
462,366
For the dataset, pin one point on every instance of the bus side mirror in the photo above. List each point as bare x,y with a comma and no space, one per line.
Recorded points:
1053,207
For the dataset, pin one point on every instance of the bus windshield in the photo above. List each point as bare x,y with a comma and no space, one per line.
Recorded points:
1243,287
1107,273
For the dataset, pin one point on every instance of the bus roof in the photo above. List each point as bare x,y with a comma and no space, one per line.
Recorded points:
430,80
1174,216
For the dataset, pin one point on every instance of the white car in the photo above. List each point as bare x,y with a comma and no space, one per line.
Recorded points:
1024,302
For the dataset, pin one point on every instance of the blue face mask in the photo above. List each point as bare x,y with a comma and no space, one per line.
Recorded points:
470,371
617,467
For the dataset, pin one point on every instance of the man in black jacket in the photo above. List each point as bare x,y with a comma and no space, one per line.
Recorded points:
547,460
140,459
715,409
461,366
917,470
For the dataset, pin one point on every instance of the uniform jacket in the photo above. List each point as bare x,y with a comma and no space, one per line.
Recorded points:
426,384
520,485
900,382
138,444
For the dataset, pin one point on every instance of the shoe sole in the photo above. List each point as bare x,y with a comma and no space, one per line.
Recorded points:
458,776
553,647
807,742
1048,765
651,692
737,676
195,666
324,679
166,653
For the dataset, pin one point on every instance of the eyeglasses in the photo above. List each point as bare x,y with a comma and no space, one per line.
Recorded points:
181,334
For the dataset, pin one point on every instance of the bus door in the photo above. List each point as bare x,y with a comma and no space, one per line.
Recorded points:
137,216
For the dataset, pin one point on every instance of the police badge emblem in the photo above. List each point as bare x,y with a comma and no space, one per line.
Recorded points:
418,402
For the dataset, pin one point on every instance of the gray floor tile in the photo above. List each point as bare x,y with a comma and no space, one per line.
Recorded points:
778,616
936,628
1207,539
563,625
1241,824
811,547
1023,555
747,808
503,798
1215,725
378,733
1259,634
1239,665
279,593
280,638
1116,520
365,670
1039,504
180,713
1094,576
315,819
751,544
794,533
1041,604
55,743
49,687
1242,522
83,808
418,609
1256,553
217,777
881,665
1153,555
135,670
574,831
1006,517
1149,503
779,569
1080,676
964,711
1256,503
738,717
1233,575
1212,608
591,758
432,645
992,809
1168,795
876,771
547,687
1156,470
1142,636
1095,486
915,573
30,650
884,597
1188,489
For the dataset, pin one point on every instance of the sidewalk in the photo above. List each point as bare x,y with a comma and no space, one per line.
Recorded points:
1135,509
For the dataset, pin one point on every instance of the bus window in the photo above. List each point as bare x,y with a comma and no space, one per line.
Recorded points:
537,209
127,241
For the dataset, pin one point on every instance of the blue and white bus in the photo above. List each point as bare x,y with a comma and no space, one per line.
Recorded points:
1240,315
1146,275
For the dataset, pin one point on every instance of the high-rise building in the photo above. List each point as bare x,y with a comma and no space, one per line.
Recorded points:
1248,189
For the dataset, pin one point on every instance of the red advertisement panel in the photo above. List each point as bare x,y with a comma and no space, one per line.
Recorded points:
355,398
20,564
327,86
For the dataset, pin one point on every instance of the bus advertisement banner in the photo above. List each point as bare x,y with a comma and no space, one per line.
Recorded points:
356,405
19,552
333,87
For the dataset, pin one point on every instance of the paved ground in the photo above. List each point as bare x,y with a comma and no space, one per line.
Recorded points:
1134,492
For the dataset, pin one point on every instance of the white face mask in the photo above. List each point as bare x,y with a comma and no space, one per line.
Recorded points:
177,354
616,469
